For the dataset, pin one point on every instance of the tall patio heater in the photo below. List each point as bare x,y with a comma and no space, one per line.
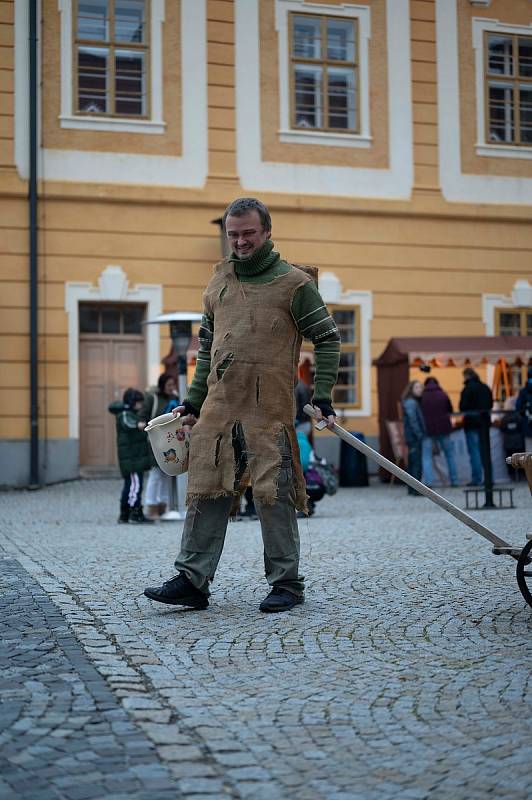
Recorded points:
181,333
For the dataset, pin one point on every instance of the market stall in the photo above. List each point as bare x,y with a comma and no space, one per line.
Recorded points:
504,353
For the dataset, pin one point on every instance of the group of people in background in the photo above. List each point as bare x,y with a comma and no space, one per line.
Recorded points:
427,412
135,456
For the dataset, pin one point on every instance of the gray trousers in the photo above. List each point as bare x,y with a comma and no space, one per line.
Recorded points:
206,525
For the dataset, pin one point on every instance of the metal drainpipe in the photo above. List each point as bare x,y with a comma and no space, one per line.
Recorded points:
33,244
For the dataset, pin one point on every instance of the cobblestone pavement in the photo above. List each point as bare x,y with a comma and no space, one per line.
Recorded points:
404,675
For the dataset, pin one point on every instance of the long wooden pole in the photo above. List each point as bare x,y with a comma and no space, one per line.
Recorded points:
413,482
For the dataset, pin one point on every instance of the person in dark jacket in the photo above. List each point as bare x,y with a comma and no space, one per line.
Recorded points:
476,401
512,434
134,455
414,426
436,407
524,407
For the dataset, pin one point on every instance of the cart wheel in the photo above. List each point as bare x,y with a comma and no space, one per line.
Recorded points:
523,574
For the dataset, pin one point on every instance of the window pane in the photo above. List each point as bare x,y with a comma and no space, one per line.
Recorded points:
345,394
525,58
129,83
88,319
501,113
129,21
345,321
110,320
93,20
525,102
529,324
306,37
510,324
92,80
132,319
345,390
341,90
500,55
340,40
308,88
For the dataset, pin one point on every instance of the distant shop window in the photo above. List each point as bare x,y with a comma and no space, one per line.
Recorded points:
515,322
508,87
346,393
109,319
324,73
111,57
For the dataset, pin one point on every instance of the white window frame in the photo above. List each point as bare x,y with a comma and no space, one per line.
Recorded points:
481,25
458,186
93,122
362,15
111,167
331,292
394,182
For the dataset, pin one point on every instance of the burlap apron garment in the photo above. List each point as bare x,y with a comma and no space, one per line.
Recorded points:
257,344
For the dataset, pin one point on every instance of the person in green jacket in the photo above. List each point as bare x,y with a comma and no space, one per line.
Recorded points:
134,455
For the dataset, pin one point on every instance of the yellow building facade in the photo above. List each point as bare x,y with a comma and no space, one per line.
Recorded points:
391,140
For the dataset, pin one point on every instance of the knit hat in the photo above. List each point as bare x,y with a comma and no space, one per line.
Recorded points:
132,396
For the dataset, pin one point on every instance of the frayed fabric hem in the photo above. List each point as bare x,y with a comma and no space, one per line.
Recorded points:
194,498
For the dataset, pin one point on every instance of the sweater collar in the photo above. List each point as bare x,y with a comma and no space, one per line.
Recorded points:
261,260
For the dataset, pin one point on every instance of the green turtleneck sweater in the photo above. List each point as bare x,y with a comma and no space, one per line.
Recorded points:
310,315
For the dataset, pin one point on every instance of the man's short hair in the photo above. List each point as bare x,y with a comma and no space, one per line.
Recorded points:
243,205
470,374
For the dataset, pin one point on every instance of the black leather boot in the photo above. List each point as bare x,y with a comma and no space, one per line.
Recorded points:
178,591
137,517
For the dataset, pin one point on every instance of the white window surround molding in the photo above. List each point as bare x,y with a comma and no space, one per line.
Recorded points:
456,185
92,122
309,178
331,291
112,285
483,148
521,297
294,135
188,170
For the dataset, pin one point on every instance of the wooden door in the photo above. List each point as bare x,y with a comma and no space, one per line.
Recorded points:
108,366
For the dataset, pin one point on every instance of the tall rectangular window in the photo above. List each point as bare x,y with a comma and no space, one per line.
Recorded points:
515,322
324,73
508,87
111,57
346,393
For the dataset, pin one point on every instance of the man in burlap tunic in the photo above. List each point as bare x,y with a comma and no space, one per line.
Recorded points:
241,405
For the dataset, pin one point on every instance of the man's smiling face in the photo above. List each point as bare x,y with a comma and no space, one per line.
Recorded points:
246,234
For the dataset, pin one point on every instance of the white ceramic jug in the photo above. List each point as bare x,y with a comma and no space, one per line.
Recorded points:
170,444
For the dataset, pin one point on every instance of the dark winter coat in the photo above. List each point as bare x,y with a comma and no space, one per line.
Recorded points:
436,407
155,404
512,432
475,397
134,451
413,421
524,406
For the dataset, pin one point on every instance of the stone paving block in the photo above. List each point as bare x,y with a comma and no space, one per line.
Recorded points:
394,680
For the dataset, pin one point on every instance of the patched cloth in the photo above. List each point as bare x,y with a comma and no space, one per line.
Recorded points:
254,361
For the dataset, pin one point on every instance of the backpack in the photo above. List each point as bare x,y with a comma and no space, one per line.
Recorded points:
326,474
